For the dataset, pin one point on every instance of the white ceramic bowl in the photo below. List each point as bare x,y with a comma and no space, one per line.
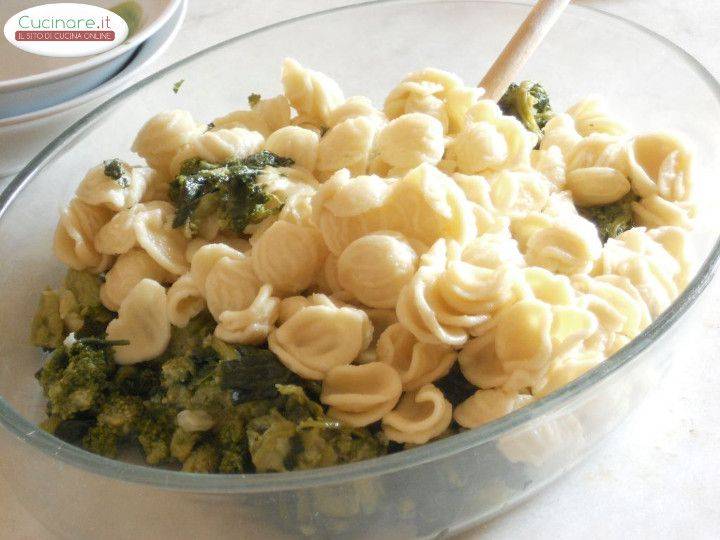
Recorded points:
22,137
30,82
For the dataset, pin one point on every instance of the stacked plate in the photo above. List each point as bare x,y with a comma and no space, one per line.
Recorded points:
41,96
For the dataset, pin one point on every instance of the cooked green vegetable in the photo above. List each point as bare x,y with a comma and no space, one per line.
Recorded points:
455,386
613,219
228,191
528,102
102,439
155,429
253,99
265,417
75,379
177,85
254,375
75,307
114,168
47,326
204,459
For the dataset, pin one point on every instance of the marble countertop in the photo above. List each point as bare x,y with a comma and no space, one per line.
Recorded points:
658,476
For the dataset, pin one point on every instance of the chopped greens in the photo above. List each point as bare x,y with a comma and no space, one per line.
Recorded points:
528,102
75,307
266,418
253,99
177,85
229,191
611,220
114,168
455,386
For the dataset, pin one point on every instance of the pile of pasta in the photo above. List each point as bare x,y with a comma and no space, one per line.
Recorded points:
431,232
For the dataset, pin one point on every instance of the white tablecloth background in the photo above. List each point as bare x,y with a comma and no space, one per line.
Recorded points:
659,476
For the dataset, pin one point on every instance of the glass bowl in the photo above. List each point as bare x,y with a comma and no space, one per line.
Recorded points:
440,488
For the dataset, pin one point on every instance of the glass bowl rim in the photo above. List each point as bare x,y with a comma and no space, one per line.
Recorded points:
161,478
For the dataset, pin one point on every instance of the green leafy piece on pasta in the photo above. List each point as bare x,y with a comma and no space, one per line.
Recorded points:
528,102
611,220
229,191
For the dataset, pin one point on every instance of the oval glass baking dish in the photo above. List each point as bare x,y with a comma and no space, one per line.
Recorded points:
439,488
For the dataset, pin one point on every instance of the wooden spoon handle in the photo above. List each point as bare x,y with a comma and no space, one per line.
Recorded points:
522,45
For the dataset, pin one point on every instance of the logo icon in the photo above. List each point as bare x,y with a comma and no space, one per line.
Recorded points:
65,30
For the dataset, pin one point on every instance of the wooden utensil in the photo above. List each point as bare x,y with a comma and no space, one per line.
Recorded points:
522,45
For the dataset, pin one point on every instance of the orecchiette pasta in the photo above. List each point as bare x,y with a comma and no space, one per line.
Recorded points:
419,416
518,193
592,186
356,107
430,206
375,267
591,115
184,301
142,321
218,146
250,326
447,296
347,146
101,190
313,94
155,234
654,211
205,258
74,242
568,246
560,132
296,143
417,363
129,269
361,395
288,256
487,405
163,135
118,235
645,262
230,285
410,140
661,163
317,338
346,208
491,140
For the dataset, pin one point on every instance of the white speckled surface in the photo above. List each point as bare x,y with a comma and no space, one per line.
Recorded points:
658,477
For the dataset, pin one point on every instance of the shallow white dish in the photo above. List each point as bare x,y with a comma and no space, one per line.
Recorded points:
30,82
22,137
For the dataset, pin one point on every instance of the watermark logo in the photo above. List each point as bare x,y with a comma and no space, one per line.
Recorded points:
64,30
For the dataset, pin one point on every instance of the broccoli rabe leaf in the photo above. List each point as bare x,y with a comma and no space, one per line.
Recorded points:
229,191
455,386
102,343
613,219
254,375
528,102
